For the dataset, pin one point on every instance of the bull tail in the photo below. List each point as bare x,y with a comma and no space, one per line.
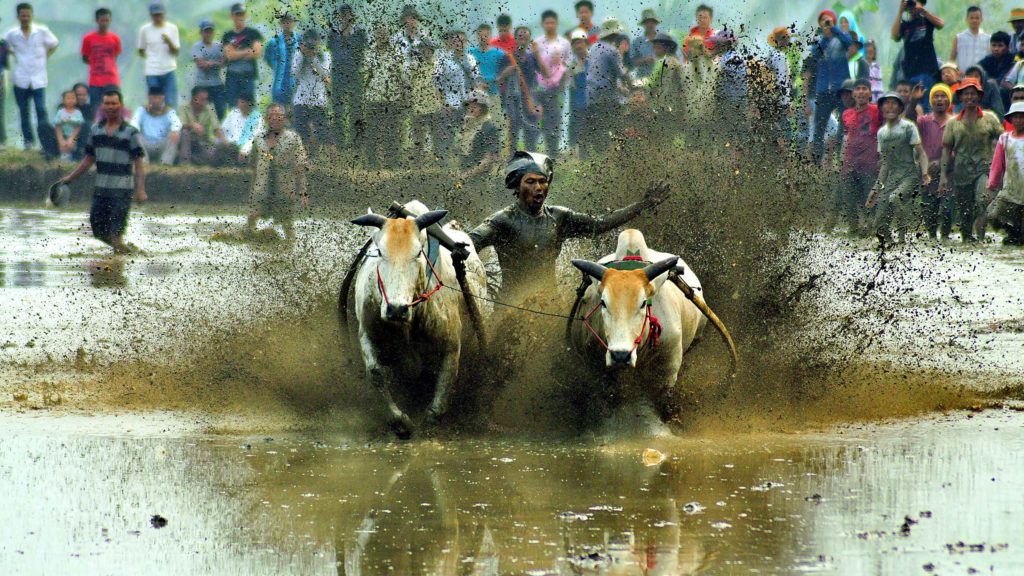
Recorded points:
706,310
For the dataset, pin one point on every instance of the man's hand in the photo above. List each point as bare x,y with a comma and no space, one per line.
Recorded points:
198,129
926,179
873,197
167,40
304,199
140,195
656,193
991,195
918,93
943,186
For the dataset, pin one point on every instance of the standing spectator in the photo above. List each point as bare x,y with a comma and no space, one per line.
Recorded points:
455,75
604,72
517,81
874,71
100,50
409,37
67,124
243,125
991,98
920,63
159,125
553,56
937,208
426,102
829,52
278,54
585,16
347,45
779,61
280,181
732,77
666,86
971,45
641,50
700,78
243,47
1017,21
904,170
159,45
1007,174
312,68
705,14
202,140
4,53
578,86
505,40
490,60
859,67
116,149
385,72
32,44
969,144
860,155
208,54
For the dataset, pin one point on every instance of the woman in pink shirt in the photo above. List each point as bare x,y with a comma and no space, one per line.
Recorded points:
553,54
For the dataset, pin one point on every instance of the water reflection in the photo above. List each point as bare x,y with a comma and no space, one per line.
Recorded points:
107,273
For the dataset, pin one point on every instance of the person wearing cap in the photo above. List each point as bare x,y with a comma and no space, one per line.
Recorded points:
968,145
208,55
949,74
408,38
992,99
159,44
347,43
478,143
916,32
578,87
704,15
115,148
829,60
855,58
385,88
32,44
605,73
312,68
937,209
835,134
585,17
1006,179
100,50
860,155
641,50
159,125
528,235
279,54
554,56
904,169
1017,38
666,85
243,48
971,45
280,183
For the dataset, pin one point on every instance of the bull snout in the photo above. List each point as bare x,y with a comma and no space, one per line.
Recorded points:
620,358
397,312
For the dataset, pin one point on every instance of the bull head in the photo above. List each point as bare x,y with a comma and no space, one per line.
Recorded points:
401,273
625,296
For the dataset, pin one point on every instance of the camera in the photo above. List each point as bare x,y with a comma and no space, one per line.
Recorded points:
911,4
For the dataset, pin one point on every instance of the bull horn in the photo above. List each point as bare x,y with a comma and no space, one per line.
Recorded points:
589,268
701,305
424,221
652,271
375,220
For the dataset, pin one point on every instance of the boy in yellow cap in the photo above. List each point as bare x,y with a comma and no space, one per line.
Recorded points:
936,208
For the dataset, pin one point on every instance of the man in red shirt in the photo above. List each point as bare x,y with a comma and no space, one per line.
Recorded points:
703,28
100,50
585,14
860,155
504,41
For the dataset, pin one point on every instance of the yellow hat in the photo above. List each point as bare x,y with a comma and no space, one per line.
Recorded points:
1016,14
937,88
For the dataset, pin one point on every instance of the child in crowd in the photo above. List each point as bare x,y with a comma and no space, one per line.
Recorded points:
67,124
1007,174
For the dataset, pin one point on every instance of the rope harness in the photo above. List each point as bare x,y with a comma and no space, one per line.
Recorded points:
422,297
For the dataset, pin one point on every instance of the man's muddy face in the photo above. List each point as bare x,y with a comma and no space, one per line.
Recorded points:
970,97
703,19
904,91
847,98
862,95
533,191
940,102
891,110
275,119
950,76
522,37
584,14
999,49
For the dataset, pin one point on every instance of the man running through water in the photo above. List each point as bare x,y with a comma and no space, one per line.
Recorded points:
528,235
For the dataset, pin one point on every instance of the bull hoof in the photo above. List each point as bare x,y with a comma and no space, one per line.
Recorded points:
432,419
402,427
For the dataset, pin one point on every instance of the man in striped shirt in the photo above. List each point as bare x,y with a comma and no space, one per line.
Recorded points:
115,147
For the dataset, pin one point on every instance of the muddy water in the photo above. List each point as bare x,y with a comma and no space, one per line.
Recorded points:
80,495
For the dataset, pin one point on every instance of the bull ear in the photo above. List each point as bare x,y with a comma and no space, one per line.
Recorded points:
652,271
427,220
592,269
375,220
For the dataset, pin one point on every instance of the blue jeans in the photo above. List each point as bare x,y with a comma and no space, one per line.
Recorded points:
217,98
38,97
926,80
236,85
170,85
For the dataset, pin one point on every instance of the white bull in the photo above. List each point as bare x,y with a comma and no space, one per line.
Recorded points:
626,309
409,327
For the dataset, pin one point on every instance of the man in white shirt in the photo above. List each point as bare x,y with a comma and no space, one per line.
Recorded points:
159,45
159,126
32,44
312,69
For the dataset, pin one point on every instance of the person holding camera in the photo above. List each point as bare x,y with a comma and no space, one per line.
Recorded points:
828,57
917,32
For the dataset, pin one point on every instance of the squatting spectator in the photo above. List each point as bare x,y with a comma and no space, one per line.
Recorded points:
243,47
243,124
31,45
278,54
160,127
202,141
159,45
208,55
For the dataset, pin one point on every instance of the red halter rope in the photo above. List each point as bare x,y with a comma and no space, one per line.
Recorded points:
422,297
651,324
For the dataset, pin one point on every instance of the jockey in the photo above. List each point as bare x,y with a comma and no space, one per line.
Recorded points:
527,236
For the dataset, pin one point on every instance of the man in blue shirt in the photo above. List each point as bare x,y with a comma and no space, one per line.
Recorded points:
490,60
278,55
829,52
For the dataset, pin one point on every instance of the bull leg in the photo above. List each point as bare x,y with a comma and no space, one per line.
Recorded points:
380,376
445,380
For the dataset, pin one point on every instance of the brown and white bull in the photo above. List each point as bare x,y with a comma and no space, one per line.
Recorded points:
410,328
635,319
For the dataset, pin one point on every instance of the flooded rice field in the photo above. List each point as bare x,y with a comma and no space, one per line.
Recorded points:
119,458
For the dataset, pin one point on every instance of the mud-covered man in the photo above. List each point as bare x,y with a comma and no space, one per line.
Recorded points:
528,235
